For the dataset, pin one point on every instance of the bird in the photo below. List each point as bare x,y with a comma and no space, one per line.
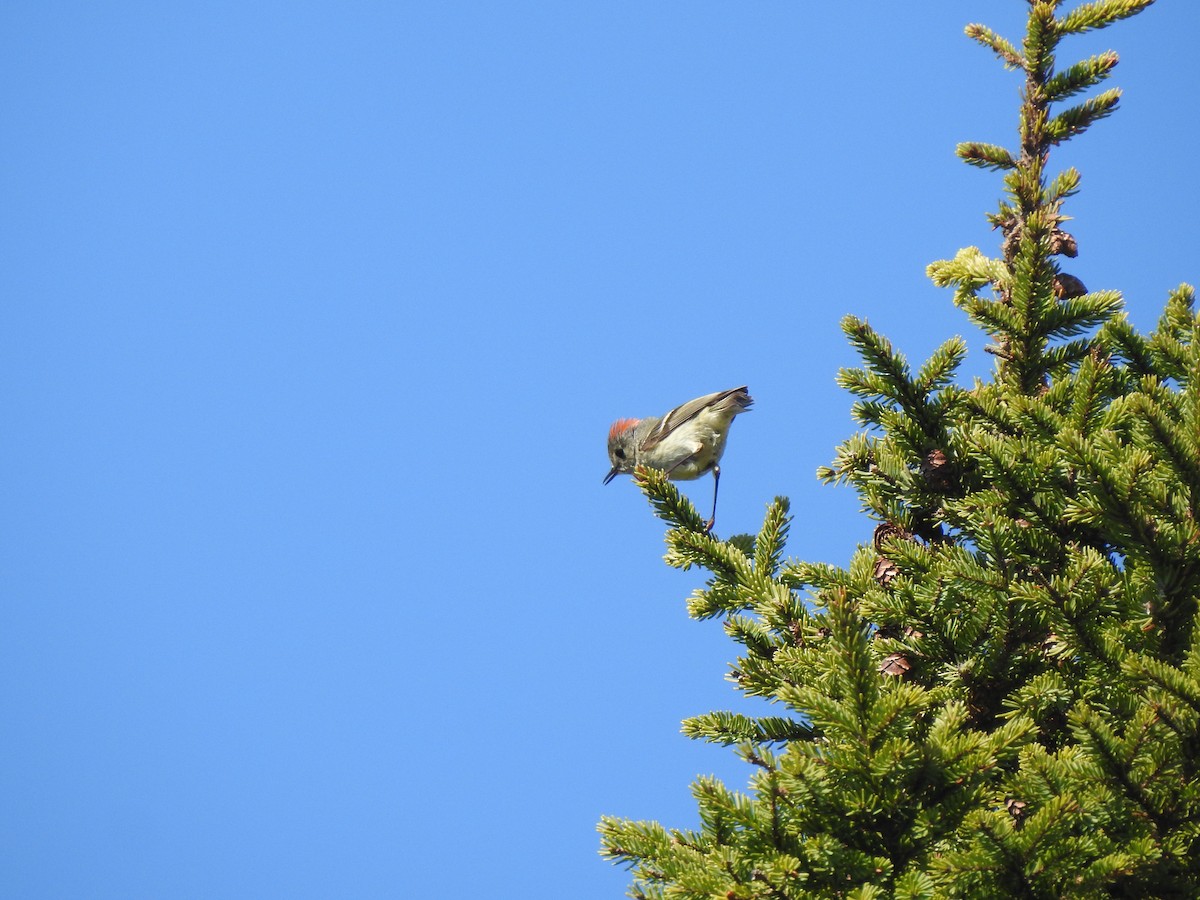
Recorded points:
686,443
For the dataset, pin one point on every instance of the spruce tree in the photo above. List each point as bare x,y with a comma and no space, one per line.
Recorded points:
1000,695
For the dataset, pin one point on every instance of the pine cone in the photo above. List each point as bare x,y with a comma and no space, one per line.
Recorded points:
1067,287
937,472
1063,244
885,530
886,571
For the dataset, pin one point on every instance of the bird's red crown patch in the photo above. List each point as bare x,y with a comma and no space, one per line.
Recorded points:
620,427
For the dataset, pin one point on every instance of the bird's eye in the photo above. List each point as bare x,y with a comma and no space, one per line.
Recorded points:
619,453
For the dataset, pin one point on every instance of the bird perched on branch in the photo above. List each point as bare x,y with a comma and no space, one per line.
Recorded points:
685,443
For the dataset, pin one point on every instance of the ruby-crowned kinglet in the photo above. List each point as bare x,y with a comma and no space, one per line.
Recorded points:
685,443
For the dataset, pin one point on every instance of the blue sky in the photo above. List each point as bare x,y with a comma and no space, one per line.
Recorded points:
314,319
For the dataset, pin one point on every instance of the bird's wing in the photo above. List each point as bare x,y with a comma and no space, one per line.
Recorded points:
687,412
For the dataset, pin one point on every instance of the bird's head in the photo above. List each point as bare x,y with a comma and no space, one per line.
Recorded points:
621,447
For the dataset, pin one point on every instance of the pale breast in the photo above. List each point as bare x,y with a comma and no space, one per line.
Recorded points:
685,457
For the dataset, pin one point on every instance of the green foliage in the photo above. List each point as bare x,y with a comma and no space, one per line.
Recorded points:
1000,695
1079,77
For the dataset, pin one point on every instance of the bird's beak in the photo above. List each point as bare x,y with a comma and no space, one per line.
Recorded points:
612,473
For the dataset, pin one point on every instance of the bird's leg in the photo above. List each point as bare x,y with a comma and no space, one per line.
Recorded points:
716,484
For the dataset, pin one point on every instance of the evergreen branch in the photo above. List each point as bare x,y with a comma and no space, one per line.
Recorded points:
744,543
889,366
1179,317
848,712
1079,118
985,156
1119,337
768,546
669,504
1169,342
1061,356
628,841
1178,446
968,271
1091,16
1088,397
998,45
752,635
721,598
730,728
821,576
888,377
998,319
964,753
723,811
1042,696
1173,357
683,859
1041,36
1177,684
697,547
1080,77
865,412
1078,598
783,611
1114,757
1065,184
862,383
853,456
1068,318
939,369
